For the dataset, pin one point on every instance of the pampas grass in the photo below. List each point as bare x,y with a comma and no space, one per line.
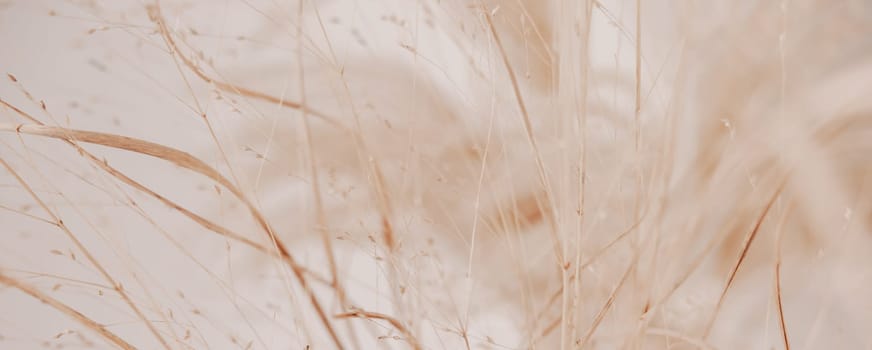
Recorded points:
495,174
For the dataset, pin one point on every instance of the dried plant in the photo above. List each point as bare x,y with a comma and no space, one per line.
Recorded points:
475,174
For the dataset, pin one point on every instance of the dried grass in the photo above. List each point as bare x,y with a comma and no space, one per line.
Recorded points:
489,174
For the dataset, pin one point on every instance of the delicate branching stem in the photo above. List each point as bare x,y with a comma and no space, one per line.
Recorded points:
88,255
66,309
393,321
186,161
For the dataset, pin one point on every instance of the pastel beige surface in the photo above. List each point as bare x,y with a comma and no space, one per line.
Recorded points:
397,174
